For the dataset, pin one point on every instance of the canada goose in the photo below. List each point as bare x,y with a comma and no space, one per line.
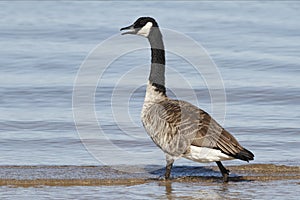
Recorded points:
179,128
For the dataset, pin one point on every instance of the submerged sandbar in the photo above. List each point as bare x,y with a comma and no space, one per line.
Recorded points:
26,176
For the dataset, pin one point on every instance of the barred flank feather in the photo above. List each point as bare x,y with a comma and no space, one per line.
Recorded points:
169,120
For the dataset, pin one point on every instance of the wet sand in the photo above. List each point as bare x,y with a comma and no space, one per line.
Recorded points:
28,176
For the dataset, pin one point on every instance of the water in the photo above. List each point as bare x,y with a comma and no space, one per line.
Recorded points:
255,46
157,191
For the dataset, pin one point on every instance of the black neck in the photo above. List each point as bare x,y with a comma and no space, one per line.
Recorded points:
157,73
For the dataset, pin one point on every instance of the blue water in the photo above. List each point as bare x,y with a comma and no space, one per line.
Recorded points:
255,45
159,191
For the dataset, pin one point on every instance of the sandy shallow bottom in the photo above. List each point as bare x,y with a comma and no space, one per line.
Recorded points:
132,175
256,181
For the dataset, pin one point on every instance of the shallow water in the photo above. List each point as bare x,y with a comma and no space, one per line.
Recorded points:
82,182
278,189
45,43
246,182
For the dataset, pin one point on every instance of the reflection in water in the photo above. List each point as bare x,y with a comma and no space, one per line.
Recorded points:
168,185
165,190
191,190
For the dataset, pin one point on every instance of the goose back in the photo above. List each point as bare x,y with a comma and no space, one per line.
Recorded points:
176,125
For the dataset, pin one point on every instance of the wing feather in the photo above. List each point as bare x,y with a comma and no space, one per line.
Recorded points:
175,125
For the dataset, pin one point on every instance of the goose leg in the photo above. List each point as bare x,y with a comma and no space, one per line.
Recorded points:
169,166
224,171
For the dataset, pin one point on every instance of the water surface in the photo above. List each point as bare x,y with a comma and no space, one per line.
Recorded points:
255,46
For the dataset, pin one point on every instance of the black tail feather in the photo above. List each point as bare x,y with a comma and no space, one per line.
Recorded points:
245,155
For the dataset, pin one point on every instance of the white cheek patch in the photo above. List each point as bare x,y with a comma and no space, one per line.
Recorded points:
145,31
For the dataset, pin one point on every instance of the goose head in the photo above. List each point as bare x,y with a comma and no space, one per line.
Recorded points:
142,26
